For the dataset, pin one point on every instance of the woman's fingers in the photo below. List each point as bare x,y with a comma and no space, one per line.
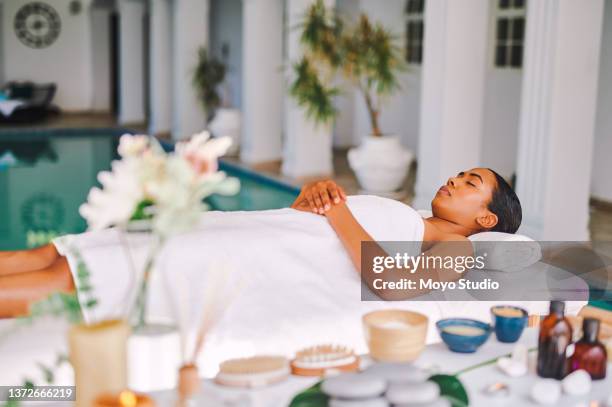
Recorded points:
311,202
325,199
334,191
318,202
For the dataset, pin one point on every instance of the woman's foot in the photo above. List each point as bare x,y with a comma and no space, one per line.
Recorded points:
27,260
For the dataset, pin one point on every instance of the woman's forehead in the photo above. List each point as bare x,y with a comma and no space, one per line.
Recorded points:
485,174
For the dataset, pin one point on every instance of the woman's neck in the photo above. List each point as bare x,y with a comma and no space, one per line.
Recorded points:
447,227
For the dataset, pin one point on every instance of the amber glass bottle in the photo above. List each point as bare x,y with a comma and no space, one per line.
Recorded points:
555,336
590,354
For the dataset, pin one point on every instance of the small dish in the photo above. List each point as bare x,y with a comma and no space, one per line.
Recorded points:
463,335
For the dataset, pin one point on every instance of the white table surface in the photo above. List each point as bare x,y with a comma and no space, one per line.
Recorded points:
281,394
435,355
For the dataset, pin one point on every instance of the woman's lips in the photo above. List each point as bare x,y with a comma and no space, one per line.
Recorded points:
444,190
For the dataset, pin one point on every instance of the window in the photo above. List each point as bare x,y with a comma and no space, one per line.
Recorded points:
509,33
414,31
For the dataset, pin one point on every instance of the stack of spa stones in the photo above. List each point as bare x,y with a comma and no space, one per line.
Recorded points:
384,385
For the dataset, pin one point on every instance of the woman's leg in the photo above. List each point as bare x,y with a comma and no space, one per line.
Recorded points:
18,291
27,260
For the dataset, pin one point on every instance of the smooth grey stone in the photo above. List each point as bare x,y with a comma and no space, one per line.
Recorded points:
411,393
375,402
354,386
398,372
441,402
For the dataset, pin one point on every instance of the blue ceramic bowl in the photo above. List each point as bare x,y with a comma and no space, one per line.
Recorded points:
463,343
508,329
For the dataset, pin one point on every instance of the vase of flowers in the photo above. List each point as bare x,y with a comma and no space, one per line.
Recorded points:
163,189
158,193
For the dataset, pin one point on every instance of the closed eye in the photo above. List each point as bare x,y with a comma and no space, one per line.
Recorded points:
472,184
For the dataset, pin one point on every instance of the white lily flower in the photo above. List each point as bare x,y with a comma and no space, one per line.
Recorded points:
133,145
175,183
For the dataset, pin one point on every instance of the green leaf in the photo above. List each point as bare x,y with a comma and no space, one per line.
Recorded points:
311,397
47,373
452,389
91,303
61,359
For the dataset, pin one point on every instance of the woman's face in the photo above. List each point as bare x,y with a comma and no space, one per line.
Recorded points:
464,199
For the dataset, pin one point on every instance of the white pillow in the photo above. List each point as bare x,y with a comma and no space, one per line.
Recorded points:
501,255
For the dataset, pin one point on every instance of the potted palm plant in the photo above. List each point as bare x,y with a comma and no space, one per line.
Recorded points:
367,56
222,119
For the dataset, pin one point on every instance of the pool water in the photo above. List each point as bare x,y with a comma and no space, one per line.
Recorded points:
45,176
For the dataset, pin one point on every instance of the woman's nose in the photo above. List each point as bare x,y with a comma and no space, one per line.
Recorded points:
450,182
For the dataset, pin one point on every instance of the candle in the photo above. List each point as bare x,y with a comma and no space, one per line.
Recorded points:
98,356
124,399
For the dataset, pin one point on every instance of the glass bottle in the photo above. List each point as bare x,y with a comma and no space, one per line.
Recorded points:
555,336
590,354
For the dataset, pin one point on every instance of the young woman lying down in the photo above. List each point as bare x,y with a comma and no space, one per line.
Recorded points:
304,239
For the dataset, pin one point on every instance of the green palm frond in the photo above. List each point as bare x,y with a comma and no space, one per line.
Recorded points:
312,94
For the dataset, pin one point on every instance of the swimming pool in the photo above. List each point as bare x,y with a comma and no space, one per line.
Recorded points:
45,175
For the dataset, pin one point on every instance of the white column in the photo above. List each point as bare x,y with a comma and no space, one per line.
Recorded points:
452,93
308,146
100,51
160,57
601,182
190,26
131,62
557,117
262,100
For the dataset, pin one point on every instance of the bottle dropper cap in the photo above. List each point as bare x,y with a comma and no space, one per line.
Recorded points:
557,307
590,329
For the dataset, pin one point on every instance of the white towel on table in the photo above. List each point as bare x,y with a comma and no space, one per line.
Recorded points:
301,287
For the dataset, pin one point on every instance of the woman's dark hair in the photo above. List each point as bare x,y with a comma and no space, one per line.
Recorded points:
506,205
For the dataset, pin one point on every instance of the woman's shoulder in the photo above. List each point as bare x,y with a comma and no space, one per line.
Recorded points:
386,219
374,201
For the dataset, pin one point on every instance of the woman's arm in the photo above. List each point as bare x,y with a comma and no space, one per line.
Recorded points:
352,234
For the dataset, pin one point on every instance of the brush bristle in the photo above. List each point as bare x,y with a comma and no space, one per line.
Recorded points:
325,352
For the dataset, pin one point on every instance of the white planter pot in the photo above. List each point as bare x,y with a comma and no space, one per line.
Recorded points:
154,357
380,163
227,122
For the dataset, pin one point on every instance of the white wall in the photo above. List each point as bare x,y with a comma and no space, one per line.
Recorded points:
501,111
131,62
100,27
400,113
226,28
501,118
67,62
601,178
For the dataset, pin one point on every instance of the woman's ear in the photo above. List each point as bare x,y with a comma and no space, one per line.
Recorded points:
488,221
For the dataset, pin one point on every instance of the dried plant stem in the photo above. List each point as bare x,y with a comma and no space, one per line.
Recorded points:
140,305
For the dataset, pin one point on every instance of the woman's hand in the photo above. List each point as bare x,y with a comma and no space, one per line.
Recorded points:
319,197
